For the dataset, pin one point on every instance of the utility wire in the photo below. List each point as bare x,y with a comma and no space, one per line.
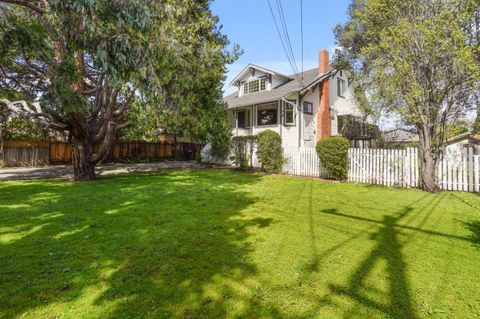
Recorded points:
281,38
301,30
286,33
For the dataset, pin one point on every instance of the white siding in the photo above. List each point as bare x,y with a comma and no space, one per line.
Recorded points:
309,121
345,105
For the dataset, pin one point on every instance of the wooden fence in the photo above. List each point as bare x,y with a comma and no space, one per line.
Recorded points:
52,153
400,168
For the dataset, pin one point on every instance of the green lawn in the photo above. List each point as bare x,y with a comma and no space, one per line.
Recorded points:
215,243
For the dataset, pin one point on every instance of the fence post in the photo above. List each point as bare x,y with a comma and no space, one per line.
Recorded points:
477,172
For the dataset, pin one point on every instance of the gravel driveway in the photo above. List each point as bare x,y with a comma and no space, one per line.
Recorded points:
19,173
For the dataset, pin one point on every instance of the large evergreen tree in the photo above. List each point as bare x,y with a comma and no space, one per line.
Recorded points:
418,59
80,66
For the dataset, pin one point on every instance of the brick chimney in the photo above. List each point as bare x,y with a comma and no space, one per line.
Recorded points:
324,117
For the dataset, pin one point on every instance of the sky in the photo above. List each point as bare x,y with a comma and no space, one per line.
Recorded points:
249,24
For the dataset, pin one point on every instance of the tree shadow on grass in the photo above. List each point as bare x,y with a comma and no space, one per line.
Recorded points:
388,247
474,227
164,245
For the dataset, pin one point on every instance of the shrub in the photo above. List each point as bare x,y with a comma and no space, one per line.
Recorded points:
333,153
270,152
242,151
3,164
198,158
220,144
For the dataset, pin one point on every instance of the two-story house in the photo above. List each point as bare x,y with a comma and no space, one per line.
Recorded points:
302,108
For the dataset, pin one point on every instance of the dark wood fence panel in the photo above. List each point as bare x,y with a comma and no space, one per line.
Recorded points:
26,153
54,153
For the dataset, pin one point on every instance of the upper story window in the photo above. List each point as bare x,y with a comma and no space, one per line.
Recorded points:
255,85
340,87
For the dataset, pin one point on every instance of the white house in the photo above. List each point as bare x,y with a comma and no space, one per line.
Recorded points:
302,108
458,144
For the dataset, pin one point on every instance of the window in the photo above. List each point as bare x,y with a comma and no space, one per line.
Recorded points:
308,107
243,119
267,114
255,85
289,112
340,87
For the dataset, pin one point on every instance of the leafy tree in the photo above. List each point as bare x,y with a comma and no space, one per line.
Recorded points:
83,64
418,59
455,129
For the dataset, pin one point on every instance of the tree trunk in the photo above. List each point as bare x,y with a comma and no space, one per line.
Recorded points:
428,171
2,150
83,166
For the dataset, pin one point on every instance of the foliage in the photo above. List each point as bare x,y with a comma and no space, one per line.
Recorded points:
454,129
198,158
270,152
83,66
144,123
242,151
333,154
220,136
417,59
20,129
223,243
2,163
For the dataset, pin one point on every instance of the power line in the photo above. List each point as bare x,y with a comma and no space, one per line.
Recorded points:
281,39
286,33
301,30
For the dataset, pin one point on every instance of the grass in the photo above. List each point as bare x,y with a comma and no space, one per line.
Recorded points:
215,243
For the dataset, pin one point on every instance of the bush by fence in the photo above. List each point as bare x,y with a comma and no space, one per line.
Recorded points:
333,154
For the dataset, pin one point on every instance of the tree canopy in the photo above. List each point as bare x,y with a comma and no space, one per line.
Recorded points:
82,66
418,59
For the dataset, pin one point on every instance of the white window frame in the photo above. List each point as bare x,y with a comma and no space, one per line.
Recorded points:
248,119
289,106
246,84
309,103
263,106
341,87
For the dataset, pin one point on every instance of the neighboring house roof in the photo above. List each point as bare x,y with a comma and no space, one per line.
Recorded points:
310,78
400,135
475,138
264,70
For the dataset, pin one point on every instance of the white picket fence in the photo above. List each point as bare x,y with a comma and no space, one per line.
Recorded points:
460,172
384,167
388,167
304,162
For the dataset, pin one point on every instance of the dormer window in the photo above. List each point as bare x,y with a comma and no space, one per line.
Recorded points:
255,85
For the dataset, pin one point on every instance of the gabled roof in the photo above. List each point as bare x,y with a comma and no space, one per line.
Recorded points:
264,70
310,77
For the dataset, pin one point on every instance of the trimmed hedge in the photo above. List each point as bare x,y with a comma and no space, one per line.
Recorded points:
333,154
270,153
